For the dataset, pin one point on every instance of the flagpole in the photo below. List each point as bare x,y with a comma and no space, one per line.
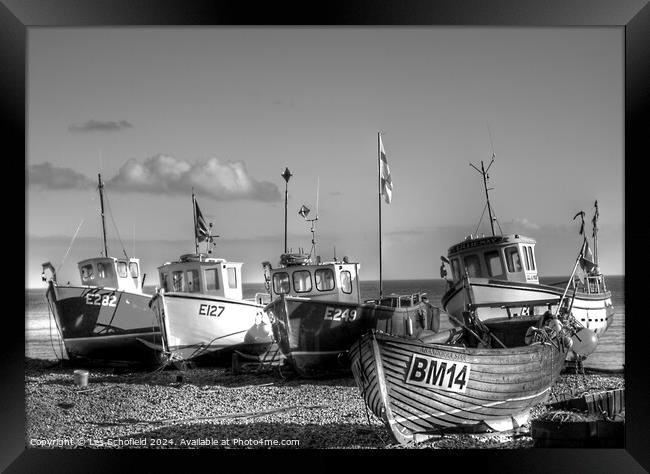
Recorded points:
379,202
196,242
595,235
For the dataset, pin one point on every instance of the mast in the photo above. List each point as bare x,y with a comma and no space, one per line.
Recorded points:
484,172
101,202
286,175
196,241
379,203
595,235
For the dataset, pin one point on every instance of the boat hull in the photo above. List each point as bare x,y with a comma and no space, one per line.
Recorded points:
594,311
104,324
203,326
315,335
412,387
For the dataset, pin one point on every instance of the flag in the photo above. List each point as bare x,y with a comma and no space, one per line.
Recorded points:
595,219
384,174
200,226
587,258
582,221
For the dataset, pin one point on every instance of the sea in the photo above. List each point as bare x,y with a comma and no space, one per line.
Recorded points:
43,342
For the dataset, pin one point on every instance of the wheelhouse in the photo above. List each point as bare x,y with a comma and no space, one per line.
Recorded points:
504,257
121,274
336,281
198,273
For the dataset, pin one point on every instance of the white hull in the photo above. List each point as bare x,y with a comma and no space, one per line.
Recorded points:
594,311
195,325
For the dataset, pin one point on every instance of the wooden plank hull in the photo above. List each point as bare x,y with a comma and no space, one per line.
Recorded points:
196,325
595,311
315,335
420,389
105,325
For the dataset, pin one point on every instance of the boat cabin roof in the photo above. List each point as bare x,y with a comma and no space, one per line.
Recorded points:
475,242
121,274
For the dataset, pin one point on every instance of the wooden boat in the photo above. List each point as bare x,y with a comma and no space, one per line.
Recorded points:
420,388
107,318
496,276
316,313
201,308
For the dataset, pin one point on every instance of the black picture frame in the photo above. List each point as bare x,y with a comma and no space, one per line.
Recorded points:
16,16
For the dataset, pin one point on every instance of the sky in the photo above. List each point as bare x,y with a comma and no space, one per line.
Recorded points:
159,111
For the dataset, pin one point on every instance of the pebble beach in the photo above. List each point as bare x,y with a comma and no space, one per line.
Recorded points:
212,408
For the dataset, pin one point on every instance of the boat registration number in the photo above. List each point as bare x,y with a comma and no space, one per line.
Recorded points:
429,372
97,299
211,310
340,314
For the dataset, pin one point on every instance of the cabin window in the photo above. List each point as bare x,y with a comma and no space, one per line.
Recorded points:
232,277
455,268
177,281
473,265
346,281
104,270
121,269
325,279
193,284
530,256
87,272
133,269
493,262
163,280
281,283
526,261
513,260
302,281
211,279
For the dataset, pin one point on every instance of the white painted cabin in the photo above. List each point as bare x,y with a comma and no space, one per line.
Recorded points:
111,272
332,281
198,273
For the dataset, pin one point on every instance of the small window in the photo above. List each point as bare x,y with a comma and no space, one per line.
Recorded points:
193,284
121,269
104,270
177,281
163,281
281,283
473,265
530,256
212,279
493,262
133,269
87,272
513,260
325,279
346,281
455,268
232,277
302,281
526,261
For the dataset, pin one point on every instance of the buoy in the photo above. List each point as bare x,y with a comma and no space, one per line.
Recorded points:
584,342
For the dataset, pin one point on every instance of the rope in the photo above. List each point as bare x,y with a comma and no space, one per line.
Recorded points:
50,317
70,246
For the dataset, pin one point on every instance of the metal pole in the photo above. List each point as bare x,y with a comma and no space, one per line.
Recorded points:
379,201
575,267
487,197
286,197
196,242
101,202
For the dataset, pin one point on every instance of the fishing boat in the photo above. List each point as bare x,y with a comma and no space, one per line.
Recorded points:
107,318
479,377
316,309
201,308
491,273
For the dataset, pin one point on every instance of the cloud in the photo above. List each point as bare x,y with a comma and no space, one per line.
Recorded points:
46,176
100,126
163,174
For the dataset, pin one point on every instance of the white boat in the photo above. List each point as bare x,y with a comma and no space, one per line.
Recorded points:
107,318
201,308
490,275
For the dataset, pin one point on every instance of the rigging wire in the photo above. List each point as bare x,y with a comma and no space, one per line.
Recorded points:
110,211
481,219
70,246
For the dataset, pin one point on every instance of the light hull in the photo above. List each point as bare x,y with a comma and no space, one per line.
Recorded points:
198,326
104,324
594,311
497,392
315,335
